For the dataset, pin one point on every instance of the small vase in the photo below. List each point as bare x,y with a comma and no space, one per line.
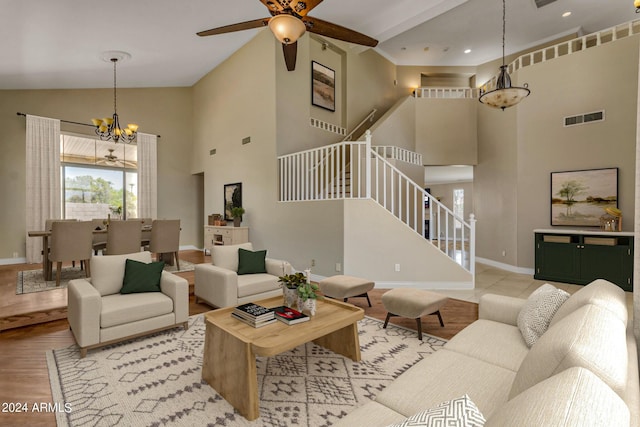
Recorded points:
290,296
236,221
307,306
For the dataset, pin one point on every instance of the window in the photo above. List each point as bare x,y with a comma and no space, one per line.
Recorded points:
458,205
99,178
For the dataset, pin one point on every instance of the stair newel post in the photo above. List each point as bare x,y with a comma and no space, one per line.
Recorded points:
472,248
367,164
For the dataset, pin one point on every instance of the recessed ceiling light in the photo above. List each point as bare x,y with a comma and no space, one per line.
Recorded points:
564,15
403,48
467,51
426,49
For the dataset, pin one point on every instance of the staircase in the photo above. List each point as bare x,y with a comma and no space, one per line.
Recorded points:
356,170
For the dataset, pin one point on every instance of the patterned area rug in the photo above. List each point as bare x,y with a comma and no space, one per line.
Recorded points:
32,280
156,381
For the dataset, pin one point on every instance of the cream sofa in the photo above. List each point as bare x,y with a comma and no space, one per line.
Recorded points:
583,371
219,284
99,315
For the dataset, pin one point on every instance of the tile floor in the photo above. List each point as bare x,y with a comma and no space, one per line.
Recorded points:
492,280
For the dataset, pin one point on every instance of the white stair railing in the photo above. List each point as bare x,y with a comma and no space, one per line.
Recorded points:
353,170
397,153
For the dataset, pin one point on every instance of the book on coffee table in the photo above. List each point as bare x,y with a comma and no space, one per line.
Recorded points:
255,324
253,312
289,316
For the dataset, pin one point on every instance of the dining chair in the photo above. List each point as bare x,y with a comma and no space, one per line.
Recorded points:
70,240
47,227
165,238
124,237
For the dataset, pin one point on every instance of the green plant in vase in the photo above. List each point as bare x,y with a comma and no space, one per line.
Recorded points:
290,284
236,213
308,295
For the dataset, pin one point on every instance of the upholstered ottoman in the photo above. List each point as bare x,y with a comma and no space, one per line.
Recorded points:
413,303
345,287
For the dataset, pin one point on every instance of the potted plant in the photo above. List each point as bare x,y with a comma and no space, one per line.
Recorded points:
308,295
236,213
290,284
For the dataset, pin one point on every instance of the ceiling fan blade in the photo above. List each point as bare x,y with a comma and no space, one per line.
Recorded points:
302,7
256,23
335,31
290,54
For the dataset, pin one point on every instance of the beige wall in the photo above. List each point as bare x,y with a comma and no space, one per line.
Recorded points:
375,242
446,131
397,126
164,111
520,147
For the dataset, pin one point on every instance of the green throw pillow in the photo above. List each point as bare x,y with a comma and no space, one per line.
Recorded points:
250,262
141,277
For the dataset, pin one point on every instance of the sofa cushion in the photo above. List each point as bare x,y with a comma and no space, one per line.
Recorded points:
446,375
537,312
118,309
574,397
250,262
599,292
591,337
141,277
251,284
460,412
226,256
481,339
107,271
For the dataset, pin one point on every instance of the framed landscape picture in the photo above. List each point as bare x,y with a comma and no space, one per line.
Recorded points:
579,198
232,199
323,86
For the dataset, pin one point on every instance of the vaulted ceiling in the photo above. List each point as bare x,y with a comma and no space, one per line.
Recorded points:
58,44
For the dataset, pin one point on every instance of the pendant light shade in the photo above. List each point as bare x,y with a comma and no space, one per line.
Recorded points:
504,95
287,28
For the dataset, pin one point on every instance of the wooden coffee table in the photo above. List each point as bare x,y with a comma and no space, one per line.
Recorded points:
231,347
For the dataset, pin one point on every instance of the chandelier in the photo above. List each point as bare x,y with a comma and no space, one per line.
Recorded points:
504,95
109,129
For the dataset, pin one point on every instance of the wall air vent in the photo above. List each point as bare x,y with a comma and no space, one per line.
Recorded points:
581,119
542,3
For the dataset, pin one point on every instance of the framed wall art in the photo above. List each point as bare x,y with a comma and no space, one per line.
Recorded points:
323,86
579,198
232,199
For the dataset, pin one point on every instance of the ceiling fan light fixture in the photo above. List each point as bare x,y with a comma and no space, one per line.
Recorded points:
287,28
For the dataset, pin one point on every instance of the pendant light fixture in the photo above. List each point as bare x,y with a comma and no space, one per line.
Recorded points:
109,129
636,4
504,95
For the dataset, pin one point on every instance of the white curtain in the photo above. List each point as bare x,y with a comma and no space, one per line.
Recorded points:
43,179
147,176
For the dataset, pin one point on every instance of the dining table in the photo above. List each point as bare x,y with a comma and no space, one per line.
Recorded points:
45,234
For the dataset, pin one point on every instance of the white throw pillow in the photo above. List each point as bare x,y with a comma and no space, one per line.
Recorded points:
536,314
460,412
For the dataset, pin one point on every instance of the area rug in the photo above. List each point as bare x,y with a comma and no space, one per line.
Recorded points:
156,381
32,280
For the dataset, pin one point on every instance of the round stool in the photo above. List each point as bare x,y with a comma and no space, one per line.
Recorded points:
344,287
413,304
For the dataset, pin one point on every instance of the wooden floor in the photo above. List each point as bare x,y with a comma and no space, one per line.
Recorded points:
23,370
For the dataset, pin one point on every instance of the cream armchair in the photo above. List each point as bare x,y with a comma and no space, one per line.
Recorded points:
99,315
218,284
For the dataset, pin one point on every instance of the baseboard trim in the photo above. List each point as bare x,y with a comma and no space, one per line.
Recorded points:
507,267
9,261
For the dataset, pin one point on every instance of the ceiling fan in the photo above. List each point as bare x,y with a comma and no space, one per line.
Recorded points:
289,21
113,160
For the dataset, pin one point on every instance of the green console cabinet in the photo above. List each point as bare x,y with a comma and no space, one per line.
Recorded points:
579,257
